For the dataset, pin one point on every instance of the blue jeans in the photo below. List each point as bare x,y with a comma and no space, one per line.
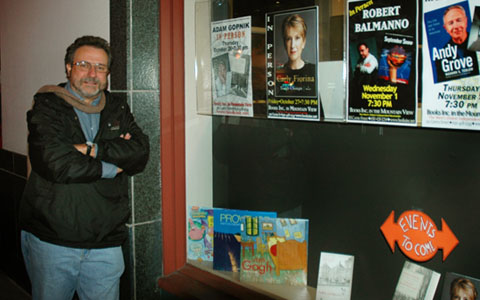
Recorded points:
56,272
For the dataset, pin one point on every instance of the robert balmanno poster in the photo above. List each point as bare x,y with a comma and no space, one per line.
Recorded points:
451,80
292,65
231,63
382,56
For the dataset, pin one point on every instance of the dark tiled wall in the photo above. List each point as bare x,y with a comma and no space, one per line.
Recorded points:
134,37
13,173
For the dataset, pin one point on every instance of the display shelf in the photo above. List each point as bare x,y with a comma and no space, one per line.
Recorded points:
199,280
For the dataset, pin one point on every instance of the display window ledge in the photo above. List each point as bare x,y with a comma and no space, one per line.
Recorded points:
198,280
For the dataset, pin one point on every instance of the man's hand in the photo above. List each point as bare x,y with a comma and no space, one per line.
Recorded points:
126,136
82,148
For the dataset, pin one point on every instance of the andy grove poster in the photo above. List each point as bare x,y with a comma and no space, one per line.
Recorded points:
451,81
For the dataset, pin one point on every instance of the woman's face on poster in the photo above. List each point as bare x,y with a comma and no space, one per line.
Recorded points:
294,42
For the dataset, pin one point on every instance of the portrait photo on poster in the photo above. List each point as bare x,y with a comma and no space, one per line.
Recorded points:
222,74
458,286
364,61
447,30
295,54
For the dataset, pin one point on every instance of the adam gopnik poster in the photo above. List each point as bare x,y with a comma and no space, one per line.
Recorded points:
382,72
231,67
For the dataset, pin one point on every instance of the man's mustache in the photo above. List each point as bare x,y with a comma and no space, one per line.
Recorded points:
88,80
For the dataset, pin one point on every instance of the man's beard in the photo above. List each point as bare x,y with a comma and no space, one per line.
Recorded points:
83,92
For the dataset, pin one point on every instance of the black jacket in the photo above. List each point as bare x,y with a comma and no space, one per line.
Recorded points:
66,201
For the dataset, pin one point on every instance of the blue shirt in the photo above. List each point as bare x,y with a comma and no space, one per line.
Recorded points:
90,124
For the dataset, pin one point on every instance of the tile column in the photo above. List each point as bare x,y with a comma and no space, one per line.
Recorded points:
135,75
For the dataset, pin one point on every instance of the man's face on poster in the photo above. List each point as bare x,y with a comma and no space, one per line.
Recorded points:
222,72
455,23
363,51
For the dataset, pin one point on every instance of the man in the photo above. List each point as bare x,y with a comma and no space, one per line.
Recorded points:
223,80
367,63
455,23
83,143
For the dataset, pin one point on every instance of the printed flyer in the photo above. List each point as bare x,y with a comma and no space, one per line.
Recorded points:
382,68
416,282
292,65
335,276
451,81
231,67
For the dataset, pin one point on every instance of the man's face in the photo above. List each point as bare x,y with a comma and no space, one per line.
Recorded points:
88,84
363,50
222,72
294,42
455,23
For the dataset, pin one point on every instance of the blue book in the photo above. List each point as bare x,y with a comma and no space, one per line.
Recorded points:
227,227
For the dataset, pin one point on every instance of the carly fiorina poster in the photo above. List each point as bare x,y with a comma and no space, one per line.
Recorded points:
292,65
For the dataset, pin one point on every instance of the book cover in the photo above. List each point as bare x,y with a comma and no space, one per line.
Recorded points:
382,62
227,236
449,57
396,58
458,286
274,250
335,276
416,283
200,233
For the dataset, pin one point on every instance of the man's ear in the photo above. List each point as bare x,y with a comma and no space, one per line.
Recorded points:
68,67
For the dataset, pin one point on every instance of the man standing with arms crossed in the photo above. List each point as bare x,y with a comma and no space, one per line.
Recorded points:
83,144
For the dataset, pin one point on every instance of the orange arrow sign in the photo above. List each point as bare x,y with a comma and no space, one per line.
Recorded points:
417,235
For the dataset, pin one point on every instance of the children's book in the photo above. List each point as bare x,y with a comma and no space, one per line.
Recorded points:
335,276
227,236
200,233
416,283
274,250
457,286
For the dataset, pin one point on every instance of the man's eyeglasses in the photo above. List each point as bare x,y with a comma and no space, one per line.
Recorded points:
86,66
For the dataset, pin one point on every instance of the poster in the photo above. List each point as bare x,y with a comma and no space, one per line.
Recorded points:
292,65
382,62
450,64
232,67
